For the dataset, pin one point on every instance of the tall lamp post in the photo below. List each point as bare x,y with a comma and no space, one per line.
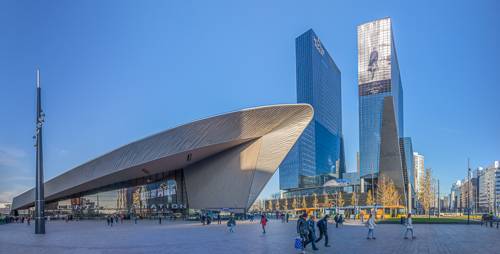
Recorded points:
468,192
39,194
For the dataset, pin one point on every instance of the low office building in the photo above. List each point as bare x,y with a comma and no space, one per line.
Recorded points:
217,162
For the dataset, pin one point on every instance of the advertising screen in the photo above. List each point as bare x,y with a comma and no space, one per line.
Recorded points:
374,57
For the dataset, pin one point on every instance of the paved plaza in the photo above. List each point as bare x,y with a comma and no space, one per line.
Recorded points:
193,237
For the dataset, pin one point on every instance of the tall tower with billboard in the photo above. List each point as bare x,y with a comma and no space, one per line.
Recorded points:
380,91
318,155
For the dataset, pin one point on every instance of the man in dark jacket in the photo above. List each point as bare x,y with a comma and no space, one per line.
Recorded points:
287,215
336,218
323,230
302,230
312,232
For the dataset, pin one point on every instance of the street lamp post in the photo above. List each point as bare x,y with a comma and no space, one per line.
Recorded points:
39,193
468,192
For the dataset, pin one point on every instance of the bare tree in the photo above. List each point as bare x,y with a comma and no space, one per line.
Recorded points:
426,191
369,199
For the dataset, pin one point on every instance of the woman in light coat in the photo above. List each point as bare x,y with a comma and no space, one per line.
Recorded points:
409,226
371,227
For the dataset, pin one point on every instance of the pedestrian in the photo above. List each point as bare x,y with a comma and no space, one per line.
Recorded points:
341,219
111,219
371,227
116,219
287,215
232,223
135,219
263,222
323,230
28,220
159,217
362,217
312,232
107,218
218,219
203,217
277,215
121,219
66,219
302,230
208,219
282,218
409,226
336,219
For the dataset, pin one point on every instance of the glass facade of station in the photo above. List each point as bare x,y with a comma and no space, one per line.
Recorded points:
378,77
317,155
148,197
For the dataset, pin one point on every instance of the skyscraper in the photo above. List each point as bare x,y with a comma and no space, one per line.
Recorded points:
418,161
378,77
318,154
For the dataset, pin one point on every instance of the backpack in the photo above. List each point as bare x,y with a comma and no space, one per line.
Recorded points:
318,224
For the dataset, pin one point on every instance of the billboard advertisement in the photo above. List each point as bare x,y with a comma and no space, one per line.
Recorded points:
374,57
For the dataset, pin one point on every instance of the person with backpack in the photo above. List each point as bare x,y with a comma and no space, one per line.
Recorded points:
371,227
323,230
336,219
409,226
302,230
263,221
231,223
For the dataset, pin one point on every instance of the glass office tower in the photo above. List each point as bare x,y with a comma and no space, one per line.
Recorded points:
407,160
378,77
318,154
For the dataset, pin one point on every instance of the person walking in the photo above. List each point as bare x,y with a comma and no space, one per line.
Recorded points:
287,215
203,217
341,219
66,219
121,219
232,222
28,220
323,230
218,219
159,218
209,219
371,227
302,230
263,222
312,232
135,219
107,218
111,219
409,226
336,219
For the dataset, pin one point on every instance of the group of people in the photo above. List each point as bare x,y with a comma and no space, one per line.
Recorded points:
111,218
207,219
306,230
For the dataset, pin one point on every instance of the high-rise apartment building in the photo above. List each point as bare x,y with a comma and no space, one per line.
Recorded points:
418,169
318,154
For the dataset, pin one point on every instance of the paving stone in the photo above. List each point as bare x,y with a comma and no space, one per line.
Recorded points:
192,237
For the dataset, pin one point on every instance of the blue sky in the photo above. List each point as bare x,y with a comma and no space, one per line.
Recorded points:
117,71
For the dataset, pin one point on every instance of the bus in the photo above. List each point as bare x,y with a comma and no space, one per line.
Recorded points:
383,211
